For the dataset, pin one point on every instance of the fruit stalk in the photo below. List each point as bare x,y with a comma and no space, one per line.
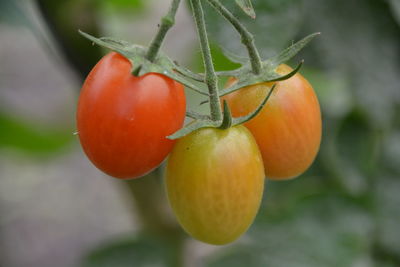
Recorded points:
210,76
247,37
166,23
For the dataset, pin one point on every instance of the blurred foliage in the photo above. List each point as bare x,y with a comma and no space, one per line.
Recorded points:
31,139
221,62
125,5
135,251
345,210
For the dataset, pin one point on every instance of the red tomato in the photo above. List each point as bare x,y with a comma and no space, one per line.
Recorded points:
215,181
288,128
123,120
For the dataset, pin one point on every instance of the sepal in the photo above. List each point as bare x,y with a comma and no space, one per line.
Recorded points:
136,54
247,7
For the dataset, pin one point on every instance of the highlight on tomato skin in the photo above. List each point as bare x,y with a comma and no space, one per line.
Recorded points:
123,120
288,129
214,182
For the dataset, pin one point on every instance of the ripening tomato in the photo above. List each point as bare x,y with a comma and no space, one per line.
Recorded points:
214,182
123,120
288,128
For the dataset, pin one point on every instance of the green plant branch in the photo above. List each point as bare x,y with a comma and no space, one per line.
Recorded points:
149,197
210,76
247,37
166,23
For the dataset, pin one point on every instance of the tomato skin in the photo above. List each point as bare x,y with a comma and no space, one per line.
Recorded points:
214,183
123,120
288,128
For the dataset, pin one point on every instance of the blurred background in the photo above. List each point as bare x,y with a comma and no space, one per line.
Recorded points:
57,209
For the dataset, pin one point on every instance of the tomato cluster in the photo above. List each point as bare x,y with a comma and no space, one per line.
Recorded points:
214,177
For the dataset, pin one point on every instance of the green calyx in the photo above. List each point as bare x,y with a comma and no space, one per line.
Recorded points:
137,55
245,77
247,7
203,121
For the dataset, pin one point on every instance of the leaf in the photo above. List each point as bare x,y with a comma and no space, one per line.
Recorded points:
31,139
324,231
126,4
247,7
141,251
233,57
220,59
388,201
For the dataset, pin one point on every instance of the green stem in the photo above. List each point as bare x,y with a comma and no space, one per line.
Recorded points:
210,76
149,197
166,23
247,37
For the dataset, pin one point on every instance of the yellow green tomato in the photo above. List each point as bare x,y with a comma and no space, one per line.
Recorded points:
214,182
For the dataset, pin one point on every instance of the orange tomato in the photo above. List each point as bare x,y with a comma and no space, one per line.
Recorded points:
288,128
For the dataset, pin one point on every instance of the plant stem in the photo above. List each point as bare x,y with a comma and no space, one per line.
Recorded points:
210,76
166,23
149,197
247,37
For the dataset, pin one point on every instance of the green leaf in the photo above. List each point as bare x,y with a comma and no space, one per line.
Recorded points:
31,139
247,7
221,60
126,4
388,201
233,57
324,231
141,251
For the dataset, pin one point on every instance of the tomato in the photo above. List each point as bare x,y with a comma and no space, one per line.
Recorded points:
288,128
123,120
214,182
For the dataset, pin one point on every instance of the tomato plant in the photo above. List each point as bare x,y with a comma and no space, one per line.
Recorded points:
288,128
215,181
128,118
123,120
